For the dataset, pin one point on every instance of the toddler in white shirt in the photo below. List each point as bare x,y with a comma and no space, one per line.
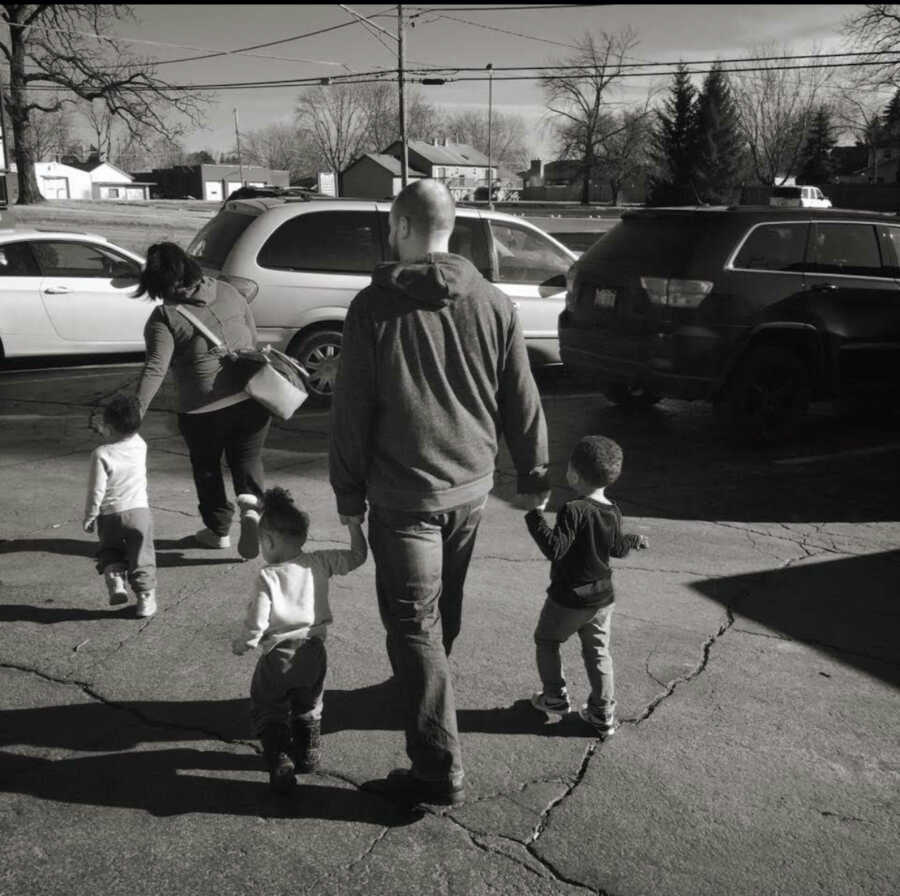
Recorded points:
117,506
287,618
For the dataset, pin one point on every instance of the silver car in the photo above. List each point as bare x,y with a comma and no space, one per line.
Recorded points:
301,262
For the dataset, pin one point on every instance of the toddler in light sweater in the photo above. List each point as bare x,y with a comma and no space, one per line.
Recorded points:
117,506
287,618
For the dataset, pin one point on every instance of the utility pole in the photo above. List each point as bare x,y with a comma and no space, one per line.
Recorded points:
490,68
237,137
404,154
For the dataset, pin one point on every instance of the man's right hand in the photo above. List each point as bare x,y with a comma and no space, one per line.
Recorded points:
536,501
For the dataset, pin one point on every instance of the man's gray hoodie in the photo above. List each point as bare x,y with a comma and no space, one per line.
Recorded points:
433,370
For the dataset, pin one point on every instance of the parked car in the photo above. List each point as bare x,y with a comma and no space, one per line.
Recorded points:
798,197
301,262
760,310
68,294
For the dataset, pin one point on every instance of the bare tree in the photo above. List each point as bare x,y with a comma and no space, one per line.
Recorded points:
776,105
382,105
580,98
282,146
69,48
876,30
509,147
336,120
52,135
623,154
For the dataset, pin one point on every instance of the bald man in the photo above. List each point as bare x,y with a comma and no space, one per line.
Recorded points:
433,370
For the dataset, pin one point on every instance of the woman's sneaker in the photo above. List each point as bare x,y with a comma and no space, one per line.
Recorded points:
553,706
603,723
248,543
209,539
146,603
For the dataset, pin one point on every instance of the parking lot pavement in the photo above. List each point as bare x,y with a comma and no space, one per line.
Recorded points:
756,667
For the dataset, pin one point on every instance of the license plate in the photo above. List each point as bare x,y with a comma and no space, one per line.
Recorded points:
604,298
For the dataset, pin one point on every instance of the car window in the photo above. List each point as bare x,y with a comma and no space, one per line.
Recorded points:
468,239
17,260
774,247
524,256
890,249
73,259
345,242
786,192
213,243
845,249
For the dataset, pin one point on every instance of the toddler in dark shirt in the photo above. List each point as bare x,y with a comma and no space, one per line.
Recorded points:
580,598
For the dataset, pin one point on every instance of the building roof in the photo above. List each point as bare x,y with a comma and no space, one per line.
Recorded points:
451,154
390,163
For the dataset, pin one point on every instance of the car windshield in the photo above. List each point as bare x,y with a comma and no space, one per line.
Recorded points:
786,192
211,246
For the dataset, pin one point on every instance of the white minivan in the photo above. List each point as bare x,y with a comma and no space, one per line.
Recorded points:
300,262
798,197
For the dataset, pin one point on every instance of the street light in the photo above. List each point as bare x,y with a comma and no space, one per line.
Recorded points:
490,68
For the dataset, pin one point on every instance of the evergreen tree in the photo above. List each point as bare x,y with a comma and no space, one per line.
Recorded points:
816,164
719,158
675,144
891,116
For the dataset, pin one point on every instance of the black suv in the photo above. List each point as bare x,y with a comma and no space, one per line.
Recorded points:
760,310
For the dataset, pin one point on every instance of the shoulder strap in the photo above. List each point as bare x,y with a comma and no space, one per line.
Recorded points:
201,328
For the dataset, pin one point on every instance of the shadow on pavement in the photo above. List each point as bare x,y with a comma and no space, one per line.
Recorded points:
74,547
182,781
846,608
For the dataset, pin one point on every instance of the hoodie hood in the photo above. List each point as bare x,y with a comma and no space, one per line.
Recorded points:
431,283
204,293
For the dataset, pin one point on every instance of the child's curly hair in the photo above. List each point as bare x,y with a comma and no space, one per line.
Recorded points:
280,514
123,414
598,460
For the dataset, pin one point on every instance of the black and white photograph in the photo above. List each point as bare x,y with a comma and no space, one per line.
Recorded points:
449,449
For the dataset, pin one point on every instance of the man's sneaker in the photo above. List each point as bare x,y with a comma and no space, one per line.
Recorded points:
401,786
114,576
146,603
604,724
248,543
209,539
553,706
307,737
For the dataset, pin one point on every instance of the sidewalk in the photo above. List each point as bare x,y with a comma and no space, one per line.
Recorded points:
756,666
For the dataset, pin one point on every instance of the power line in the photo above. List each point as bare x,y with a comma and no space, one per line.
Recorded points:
542,40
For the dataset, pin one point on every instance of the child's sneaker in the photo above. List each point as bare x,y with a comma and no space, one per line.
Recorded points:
307,735
146,603
248,543
276,743
604,723
209,539
114,576
553,706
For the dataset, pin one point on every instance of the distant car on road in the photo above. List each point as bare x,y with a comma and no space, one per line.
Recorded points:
67,293
798,197
301,262
760,310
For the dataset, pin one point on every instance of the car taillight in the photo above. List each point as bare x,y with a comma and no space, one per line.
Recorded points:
247,288
570,289
676,293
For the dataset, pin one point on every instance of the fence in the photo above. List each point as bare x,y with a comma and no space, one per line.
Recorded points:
868,197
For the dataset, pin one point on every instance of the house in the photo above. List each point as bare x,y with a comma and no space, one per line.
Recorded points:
534,176
212,182
88,180
460,166
375,176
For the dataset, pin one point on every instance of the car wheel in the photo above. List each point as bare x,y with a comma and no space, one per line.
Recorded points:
631,396
319,353
768,394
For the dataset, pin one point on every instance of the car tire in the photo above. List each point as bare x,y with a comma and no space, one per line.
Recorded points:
319,353
631,396
768,393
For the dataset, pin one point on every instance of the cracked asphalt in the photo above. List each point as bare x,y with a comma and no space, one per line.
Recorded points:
755,647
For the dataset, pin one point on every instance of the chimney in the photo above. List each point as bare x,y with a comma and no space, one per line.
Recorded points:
536,167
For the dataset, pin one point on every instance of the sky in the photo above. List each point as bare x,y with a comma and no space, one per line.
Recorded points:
458,34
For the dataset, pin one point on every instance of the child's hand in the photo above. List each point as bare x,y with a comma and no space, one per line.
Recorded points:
351,520
642,543
537,501
89,524
239,647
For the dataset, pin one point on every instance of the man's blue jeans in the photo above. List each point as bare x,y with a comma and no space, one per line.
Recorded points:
421,561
